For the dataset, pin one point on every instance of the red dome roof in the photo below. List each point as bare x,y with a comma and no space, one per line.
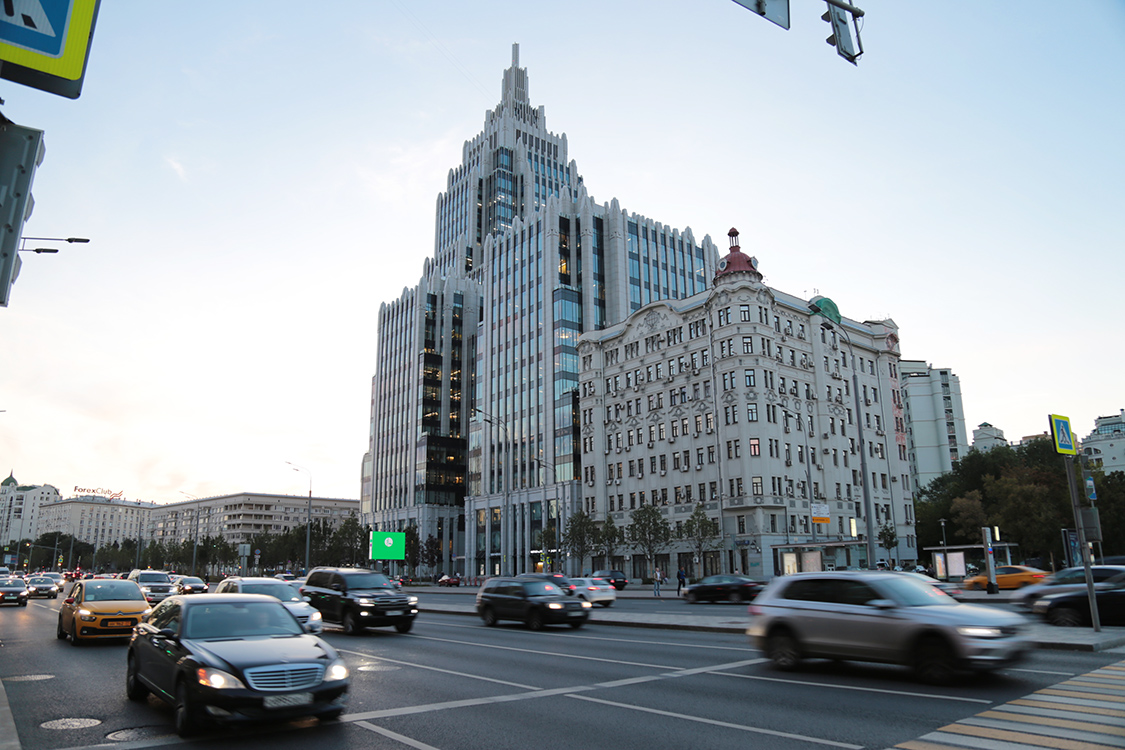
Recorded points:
736,261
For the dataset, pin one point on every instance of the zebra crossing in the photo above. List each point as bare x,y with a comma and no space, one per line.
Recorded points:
1083,713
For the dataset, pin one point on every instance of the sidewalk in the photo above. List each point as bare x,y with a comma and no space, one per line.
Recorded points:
462,601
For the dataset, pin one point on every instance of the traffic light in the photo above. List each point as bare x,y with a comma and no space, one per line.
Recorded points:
841,38
21,151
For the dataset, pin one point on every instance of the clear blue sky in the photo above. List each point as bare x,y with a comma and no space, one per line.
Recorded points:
258,177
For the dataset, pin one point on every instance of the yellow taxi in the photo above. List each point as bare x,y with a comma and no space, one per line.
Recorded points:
101,608
1008,577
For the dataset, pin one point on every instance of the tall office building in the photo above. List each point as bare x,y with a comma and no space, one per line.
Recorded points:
474,400
21,508
936,418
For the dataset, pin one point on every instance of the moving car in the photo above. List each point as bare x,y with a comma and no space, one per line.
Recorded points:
359,599
101,608
558,579
1068,579
723,588
13,591
230,658
42,586
156,584
533,601
947,587
189,585
882,617
288,595
448,580
595,591
1007,577
1072,608
615,577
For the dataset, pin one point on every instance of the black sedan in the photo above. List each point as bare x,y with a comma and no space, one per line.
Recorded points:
42,586
1072,608
230,658
723,588
189,585
13,591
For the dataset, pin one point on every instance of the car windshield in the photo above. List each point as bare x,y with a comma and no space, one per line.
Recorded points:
41,581
239,620
911,592
281,591
191,581
541,588
113,591
154,578
13,582
368,581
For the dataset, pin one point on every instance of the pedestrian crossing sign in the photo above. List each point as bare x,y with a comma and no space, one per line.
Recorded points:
1061,434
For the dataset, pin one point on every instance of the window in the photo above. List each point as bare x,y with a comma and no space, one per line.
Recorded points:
749,378
755,447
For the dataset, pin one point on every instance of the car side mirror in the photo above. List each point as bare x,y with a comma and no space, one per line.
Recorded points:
69,600
167,634
337,587
882,603
306,598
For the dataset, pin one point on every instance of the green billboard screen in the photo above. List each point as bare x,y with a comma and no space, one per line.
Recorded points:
388,545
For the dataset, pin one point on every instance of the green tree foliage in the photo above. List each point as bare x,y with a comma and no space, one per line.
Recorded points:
649,532
413,548
610,538
701,532
579,537
888,537
431,552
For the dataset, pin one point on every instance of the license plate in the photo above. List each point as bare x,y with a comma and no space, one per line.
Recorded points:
284,701
116,624
394,612
575,613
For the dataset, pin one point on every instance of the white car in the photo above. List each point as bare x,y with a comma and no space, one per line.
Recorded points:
284,592
595,591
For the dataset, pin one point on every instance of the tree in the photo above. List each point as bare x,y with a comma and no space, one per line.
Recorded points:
701,532
609,538
579,537
888,538
413,549
649,533
431,552
968,517
548,542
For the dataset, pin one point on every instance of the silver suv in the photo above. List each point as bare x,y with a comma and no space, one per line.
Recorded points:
882,617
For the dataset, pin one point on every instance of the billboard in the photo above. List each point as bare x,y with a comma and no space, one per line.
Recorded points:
388,545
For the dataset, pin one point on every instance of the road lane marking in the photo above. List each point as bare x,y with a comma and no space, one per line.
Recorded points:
541,652
395,736
437,669
717,723
858,689
1050,721
583,637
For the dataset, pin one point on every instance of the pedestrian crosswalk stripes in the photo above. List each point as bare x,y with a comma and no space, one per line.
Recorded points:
1083,713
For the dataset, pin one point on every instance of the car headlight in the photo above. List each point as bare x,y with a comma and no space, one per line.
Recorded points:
979,631
315,616
337,670
146,589
365,602
86,615
586,605
412,601
217,678
554,605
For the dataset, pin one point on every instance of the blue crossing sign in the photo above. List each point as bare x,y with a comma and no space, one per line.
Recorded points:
45,43
1061,434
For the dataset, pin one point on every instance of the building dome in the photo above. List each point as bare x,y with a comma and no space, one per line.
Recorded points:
736,264
9,481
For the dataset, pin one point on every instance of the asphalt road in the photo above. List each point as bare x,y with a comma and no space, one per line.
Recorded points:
453,683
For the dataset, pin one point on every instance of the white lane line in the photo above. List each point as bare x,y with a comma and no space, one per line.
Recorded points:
858,689
541,652
466,703
716,723
395,736
1041,671
437,669
581,637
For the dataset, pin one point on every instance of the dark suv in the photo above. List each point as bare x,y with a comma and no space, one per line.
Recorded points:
156,584
358,599
533,601
616,577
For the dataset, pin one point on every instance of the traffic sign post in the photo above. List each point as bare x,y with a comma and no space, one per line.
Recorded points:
1063,438
45,44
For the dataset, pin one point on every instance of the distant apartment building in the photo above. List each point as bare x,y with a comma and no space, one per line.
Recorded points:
1105,446
239,518
986,437
21,509
738,398
935,417
98,520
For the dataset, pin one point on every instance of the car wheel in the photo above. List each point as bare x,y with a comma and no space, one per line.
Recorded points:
535,620
1065,617
691,597
933,661
59,632
488,616
736,597
74,641
185,716
404,626
783,650
576,625
351,627
606,604
134,690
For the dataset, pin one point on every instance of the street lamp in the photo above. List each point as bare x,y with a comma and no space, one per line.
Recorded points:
827,309
308,523
505,517
944,550
558,512
195,544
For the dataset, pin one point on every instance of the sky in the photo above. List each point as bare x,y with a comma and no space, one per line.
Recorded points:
256,178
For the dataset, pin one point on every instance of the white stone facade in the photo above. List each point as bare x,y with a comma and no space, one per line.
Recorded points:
935,417
21,509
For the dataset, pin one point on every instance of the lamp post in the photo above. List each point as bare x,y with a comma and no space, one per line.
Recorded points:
558,510
827,309
944,550
195,544
505,515
308,523
808,466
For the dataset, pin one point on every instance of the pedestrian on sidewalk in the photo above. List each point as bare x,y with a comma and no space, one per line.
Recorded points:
656,579
681,580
